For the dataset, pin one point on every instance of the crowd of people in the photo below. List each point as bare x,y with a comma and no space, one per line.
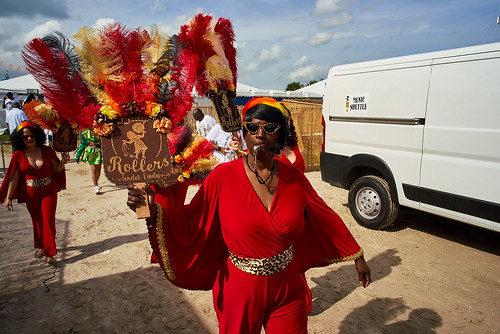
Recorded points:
249,234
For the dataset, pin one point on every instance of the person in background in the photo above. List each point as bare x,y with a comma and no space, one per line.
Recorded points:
90,152
35,176
29,98
7,102
204,123
291,153
251,231
15,117
221,142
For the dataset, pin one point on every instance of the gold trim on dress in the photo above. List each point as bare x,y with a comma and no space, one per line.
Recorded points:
161,244
266,266
347,258
38,183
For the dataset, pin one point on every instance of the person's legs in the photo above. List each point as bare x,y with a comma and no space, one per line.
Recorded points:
96,174
34,208
49,206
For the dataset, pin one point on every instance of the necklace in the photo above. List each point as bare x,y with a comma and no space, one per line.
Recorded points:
259,178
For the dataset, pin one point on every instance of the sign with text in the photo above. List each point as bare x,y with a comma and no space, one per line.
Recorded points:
227,111
136,153
356,103
65,138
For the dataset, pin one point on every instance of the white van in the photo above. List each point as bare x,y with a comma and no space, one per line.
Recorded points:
421,131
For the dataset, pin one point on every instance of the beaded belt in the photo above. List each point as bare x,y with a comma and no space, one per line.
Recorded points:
264,267
37,183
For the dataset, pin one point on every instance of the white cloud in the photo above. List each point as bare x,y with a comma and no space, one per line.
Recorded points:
336,21
302,61
320,38
100,23
323,7
275,53
306,73
42,29
420,28
296,39
240,46
156,6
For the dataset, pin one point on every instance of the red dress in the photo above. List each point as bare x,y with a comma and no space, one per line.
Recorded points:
299,159
226,214
41,200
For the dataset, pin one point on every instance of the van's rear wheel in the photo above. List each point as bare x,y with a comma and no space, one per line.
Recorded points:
371,203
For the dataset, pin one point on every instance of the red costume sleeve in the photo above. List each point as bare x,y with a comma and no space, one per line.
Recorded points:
188,241
325,238
19,193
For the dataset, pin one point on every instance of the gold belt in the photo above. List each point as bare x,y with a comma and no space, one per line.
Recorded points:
264,267
37,183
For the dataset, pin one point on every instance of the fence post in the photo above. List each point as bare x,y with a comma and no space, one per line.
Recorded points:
3,158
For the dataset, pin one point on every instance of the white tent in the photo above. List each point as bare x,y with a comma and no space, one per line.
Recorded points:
20,85
315,90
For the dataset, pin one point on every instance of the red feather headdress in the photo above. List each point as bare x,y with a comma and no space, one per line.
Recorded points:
117,72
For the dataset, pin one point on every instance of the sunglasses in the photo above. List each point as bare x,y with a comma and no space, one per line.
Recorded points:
27,136
269,128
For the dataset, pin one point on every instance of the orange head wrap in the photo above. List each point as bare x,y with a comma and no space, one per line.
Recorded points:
265,100
25,124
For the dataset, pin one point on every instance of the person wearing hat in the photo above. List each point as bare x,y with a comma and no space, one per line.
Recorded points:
252,230
15,117
35,176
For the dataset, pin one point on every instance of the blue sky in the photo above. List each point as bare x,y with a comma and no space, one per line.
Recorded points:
278,41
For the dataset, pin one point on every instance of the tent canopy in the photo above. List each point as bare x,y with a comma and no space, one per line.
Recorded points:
22,85
26,84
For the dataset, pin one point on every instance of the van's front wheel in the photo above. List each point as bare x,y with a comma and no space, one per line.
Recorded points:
371,203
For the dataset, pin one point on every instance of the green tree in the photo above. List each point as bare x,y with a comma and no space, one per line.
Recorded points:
294,86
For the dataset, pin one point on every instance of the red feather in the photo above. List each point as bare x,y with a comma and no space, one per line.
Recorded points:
63,87
183,77
225,31
194,35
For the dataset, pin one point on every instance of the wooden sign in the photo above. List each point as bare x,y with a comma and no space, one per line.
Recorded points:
135,153
64,140
227,111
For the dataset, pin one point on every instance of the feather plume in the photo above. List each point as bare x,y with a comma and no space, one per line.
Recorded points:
224,30
41,114
63,87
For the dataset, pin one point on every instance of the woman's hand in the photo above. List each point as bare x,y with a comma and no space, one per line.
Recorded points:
8,204
364,273
136,197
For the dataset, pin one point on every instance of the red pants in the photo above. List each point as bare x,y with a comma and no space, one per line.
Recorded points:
244,302
42,203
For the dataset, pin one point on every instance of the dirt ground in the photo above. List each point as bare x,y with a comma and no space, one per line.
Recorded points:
431,275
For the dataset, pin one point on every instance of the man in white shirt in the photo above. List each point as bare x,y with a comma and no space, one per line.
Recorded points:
221,142
7,102
204,123
15,116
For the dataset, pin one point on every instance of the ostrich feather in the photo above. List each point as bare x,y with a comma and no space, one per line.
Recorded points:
63,87
224,30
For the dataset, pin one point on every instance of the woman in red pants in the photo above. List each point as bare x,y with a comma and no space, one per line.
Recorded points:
34,177
251,231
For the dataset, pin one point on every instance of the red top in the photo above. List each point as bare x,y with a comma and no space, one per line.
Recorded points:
226,213
299,160
20,161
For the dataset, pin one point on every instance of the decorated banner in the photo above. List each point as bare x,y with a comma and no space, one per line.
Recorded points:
227,111
135,153
65,137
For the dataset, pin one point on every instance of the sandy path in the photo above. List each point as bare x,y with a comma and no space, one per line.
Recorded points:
430,275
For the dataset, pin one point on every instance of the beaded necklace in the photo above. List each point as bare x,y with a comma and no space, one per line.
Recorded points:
259,178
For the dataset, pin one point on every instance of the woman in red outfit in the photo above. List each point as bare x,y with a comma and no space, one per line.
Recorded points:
291,153
34,176
250,233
